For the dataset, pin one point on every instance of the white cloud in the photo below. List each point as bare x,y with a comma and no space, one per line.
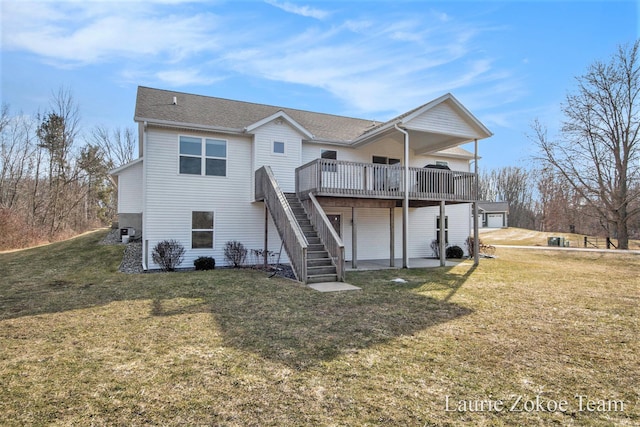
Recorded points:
88,33
306,11
185,77
375,64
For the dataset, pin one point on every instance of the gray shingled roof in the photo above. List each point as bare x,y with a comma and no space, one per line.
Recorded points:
494,206
157,105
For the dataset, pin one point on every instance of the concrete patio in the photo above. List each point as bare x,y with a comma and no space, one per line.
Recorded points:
383,264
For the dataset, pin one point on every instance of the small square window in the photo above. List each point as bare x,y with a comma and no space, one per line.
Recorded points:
278,147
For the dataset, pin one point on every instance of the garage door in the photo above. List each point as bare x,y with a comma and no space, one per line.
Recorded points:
494,220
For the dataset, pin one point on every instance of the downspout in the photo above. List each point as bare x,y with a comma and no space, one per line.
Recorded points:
405,204
145,243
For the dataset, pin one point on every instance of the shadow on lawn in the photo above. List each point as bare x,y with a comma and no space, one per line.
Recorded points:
278,319
294,325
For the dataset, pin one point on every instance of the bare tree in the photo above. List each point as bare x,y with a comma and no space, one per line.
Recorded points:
118,145
598,151
513,185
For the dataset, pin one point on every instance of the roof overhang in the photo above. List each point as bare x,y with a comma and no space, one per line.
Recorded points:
187,126
119,170
429,140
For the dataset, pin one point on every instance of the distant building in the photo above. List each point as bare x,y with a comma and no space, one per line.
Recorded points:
494,214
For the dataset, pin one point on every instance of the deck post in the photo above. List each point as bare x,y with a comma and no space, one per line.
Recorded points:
442,235
405,203
392,237
354,239
476,231
266,235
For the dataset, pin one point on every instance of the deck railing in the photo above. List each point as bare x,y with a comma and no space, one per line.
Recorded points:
328,235
267,189
328,177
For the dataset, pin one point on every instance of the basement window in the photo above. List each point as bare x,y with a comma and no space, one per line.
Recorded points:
201,230
446,229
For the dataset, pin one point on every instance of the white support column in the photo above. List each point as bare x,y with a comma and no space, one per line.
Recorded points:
266,234
405,204
392,237
442,235
476,232
354,239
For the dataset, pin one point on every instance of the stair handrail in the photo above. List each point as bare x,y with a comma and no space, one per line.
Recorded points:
328,235
295,243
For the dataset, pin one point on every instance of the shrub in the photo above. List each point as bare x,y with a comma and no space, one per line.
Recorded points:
469,244
235,253
435,247
168,254
204,263
454,252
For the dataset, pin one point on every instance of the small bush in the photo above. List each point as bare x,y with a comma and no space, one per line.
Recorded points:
235,253
204,263
435,247
168,254
454,252
469,244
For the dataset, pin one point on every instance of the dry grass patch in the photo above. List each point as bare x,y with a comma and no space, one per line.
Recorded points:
81,343
521,236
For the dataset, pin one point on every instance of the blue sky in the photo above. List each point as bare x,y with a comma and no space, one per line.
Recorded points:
509,62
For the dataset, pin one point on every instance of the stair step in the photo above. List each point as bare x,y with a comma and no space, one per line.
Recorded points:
313,239
319,262
319,278
317,254
321,269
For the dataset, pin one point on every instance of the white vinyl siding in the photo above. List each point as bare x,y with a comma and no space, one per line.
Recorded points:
284,164
130,189
442,119
171,199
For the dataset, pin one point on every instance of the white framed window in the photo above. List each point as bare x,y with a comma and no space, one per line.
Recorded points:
203,156
446,229
202,229
278,147
331,155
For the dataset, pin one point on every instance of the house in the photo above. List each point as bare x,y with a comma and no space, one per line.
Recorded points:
324,190
494,214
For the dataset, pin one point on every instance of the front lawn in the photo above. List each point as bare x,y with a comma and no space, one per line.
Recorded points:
552,336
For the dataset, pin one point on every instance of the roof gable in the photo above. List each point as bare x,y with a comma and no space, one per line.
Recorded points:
280,115
445,115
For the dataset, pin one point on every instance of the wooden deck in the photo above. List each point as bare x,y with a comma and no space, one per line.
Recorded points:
328,178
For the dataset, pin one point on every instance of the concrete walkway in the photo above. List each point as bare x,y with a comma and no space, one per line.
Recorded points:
333,287
383,264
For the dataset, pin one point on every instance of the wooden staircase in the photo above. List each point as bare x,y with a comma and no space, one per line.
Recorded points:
320,267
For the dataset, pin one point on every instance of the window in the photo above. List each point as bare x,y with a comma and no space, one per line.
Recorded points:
331,155
446,229
278,147
385,160
442,163
200,156
201,229
384,179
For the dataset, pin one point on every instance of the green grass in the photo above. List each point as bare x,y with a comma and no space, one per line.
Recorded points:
81,343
